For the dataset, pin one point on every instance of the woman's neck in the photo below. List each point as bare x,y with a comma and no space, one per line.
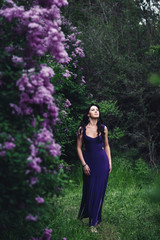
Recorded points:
92,122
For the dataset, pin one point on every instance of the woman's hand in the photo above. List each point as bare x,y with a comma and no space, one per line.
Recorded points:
86,170
110,168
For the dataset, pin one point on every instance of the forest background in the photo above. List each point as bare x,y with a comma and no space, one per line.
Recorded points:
111,56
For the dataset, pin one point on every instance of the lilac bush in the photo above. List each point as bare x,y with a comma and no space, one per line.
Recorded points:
30,32
40,52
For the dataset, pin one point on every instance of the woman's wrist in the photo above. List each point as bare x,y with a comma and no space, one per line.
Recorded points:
84,165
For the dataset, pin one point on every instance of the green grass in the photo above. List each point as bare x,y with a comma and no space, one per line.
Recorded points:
128,213
131,208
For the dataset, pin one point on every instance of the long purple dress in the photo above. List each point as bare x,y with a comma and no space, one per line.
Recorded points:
94,185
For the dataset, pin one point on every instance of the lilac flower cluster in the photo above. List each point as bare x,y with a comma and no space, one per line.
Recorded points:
83,81
44,138
72,42
36,89
7,145
41,25
46,235
66,74
67,103
39,199
30,217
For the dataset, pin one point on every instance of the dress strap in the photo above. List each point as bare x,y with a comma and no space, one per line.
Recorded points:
84,129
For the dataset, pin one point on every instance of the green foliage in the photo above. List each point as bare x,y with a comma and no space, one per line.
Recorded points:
111,116
109,107
155,79
117,37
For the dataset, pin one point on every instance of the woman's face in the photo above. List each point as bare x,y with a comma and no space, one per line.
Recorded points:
93,112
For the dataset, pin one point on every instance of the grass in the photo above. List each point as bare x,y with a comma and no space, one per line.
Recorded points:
131,208
128,213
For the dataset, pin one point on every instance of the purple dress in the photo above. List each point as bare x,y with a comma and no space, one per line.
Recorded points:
94,185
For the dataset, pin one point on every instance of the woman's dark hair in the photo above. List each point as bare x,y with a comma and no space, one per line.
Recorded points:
85,121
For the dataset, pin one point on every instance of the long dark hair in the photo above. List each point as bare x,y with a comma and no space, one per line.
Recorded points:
85,121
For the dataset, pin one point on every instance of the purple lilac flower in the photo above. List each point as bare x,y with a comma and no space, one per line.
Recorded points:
74,55
33,180
47,234
67,103
66,74
16,109
2,153
11,138
9,49
43,138
9,145
75,64
34,164
72,37
75,75
30,217
66,129
27,171
77,43
33,150
83,81
16,59
40,90
46,72
54,150
64,238
59,188
33,122
60,166
39,199
80,52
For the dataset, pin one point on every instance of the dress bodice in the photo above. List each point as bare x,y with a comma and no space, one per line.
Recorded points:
92,144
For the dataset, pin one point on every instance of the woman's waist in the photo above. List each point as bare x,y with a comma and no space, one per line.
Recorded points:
95,150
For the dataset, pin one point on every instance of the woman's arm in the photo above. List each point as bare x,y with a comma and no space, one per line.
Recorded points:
107,148
86,168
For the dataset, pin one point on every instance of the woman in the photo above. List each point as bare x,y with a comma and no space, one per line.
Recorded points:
96,163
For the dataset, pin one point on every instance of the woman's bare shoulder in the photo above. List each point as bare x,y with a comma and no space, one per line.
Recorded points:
80,130
105,129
